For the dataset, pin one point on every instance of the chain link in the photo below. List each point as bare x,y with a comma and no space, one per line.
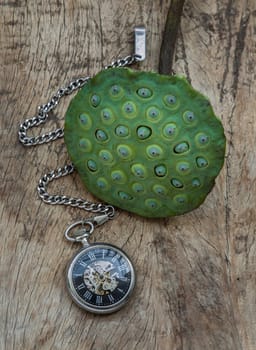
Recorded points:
69,201
44,109
122,62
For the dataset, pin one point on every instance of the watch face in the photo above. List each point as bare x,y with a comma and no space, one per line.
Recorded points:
100,278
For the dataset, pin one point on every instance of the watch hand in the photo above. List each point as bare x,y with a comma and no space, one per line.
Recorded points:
116,274
109,268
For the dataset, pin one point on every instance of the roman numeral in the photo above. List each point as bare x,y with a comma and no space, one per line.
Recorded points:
87,295
124,279
115,258
98,299
111,299
82,263
91,256
122,267
81,286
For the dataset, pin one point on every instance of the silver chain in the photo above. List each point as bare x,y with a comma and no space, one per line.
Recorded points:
71,201
44,109
40,118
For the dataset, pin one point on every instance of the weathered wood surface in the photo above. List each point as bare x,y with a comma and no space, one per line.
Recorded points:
196,285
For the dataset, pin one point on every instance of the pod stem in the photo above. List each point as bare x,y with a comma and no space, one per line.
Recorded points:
170,36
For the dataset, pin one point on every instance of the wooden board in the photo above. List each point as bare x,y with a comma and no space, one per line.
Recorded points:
196,285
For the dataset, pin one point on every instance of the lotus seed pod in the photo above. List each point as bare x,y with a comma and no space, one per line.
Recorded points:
144,142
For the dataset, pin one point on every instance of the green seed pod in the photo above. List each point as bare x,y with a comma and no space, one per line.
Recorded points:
144,142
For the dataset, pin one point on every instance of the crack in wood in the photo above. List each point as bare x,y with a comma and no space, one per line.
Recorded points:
239,48
228,14
184,57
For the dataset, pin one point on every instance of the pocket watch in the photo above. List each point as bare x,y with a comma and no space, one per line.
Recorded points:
100,277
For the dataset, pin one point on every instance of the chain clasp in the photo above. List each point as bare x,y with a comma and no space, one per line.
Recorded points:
140,43
86,229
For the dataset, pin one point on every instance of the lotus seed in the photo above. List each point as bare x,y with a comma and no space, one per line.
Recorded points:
124,195
170,100
107,116
160,170
183,167
95,100
124,151
139,170
115,90
196,182
181,147
201,162
118,176
144,92
137,187
143,132
189,117
160,190
122,131
85,145
180,199
169,130
129,108
153,114
85,121
154,151
91,164
101,135
203,139
152,203
102,183
176,183
106,156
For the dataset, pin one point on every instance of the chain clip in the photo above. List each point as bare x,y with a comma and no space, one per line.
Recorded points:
86,229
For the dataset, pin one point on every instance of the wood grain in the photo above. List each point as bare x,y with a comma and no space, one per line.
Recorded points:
196,285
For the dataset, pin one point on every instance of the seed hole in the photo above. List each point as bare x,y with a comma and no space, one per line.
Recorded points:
160,170
95,100
144,92
189,117
122,131
101,135
124,196
169,130
92,166
143,132
176,183
201,162
181,147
